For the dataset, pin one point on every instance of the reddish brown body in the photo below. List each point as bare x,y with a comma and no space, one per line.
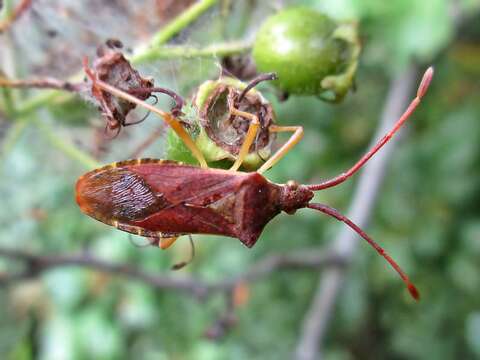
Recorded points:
162,198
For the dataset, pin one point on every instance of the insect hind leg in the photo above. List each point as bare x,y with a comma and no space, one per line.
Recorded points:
165,242
297,134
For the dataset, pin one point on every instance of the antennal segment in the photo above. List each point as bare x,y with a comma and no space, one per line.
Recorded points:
422,89
179,101
260,78
334,213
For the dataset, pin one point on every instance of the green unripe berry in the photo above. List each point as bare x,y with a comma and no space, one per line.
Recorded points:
310,52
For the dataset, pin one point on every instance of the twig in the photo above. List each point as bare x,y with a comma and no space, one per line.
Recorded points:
43,83
317,317
36,264
299,260
12,16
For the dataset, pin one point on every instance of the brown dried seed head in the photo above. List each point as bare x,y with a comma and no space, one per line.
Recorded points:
114,69
228,131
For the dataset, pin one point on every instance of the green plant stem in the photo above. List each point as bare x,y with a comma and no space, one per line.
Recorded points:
182,21
66,147
8,103
13,12
7,9
35,102
14,133
181,51
8,60
45,98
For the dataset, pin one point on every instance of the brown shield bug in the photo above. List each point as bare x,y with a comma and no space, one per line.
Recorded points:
164,199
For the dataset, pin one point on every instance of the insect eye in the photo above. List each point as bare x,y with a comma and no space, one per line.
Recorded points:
292,185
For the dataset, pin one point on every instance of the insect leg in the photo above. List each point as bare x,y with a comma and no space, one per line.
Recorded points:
165,243
249,137
285,148
144,117
184,263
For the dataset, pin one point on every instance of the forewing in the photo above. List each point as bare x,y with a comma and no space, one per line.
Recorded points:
179,183
178,198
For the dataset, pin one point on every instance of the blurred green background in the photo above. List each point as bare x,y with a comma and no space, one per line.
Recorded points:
427,215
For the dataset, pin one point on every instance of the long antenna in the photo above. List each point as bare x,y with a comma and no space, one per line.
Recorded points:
257,80
422,89
179,101
184,263
334,213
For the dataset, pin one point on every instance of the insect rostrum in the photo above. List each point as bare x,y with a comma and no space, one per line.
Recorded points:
165,199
